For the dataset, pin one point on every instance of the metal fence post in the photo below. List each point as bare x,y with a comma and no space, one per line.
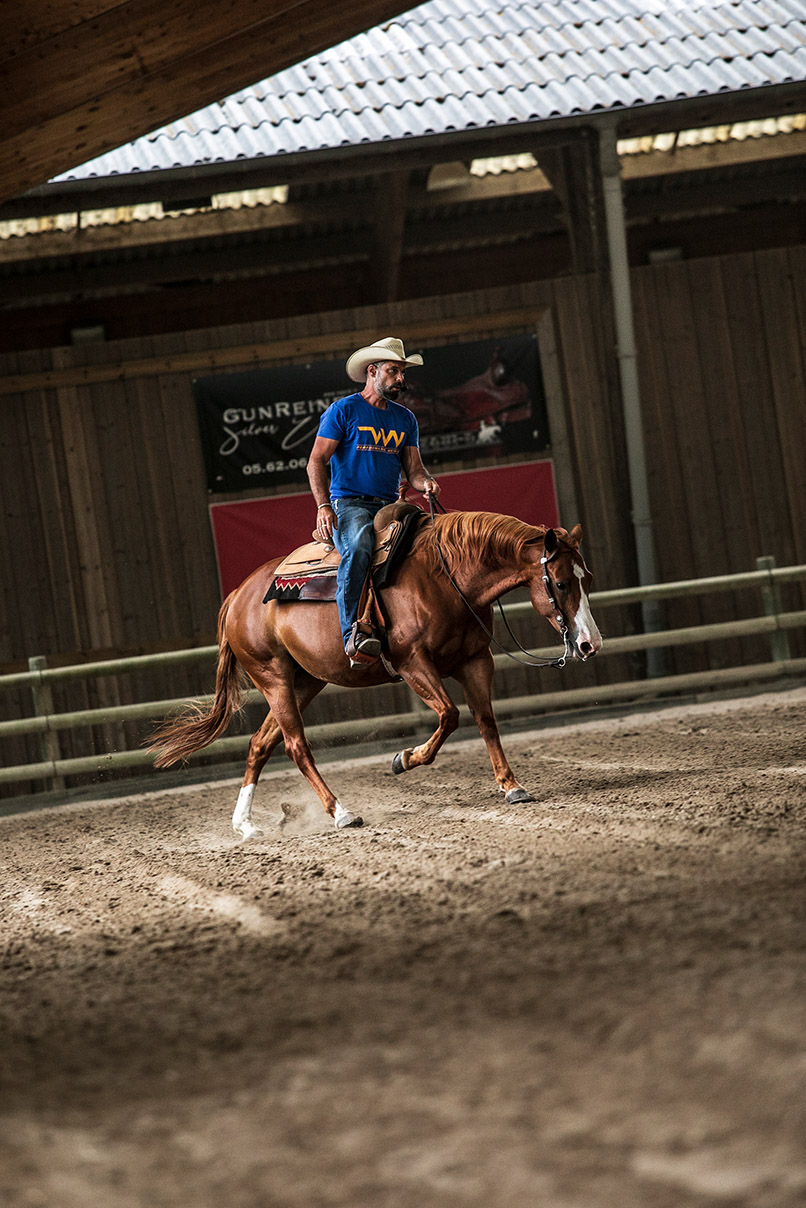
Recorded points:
43,707
771,598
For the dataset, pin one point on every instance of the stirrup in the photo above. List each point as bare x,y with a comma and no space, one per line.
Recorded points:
363,646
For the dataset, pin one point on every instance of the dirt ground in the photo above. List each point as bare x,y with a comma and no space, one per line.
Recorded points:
596,1000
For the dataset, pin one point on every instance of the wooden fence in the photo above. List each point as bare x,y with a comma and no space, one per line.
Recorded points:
774,626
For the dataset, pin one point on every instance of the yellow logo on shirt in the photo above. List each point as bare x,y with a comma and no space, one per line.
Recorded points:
384,438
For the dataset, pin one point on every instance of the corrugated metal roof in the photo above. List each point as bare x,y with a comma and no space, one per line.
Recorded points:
459,65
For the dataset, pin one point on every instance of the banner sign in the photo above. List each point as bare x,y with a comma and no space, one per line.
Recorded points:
249,532
485,397
257,428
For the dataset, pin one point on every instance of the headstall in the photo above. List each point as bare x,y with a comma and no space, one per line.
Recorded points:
559,616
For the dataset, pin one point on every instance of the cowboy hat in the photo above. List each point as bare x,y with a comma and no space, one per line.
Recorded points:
386,349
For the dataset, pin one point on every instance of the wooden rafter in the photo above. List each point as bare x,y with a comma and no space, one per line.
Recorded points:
82,78
573,172
390,222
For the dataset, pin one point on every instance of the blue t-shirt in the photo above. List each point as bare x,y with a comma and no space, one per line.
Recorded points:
371,441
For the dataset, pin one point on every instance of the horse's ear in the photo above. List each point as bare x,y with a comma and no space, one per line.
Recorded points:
575,536
550,542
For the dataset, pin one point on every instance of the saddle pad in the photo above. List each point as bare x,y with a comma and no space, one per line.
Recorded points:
309,573
315,586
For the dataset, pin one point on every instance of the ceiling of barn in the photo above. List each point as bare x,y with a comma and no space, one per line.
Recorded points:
351,173
80,77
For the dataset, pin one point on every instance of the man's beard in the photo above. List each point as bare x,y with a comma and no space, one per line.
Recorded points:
390,393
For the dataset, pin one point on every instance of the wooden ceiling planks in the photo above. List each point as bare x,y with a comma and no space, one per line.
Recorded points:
88,77
25,23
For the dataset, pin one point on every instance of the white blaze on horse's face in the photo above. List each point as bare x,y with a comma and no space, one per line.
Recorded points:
586,635
564,600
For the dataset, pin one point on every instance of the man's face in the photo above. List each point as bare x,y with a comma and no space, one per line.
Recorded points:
390,380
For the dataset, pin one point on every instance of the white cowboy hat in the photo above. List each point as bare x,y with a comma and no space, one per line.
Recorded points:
386,349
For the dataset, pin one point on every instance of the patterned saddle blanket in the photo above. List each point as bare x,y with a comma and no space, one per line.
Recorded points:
309,573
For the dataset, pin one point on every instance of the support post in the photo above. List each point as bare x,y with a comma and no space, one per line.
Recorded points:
43,707
626,353
390,226
773,607
572,170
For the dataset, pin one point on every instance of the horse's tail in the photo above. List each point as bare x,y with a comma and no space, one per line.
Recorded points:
201,723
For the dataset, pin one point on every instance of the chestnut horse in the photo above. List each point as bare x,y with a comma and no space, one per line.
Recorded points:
438,609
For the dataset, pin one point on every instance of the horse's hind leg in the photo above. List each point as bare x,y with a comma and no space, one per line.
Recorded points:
276,682
476,679
262,743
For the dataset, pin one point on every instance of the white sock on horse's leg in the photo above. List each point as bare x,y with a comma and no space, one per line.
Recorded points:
242,818
343,817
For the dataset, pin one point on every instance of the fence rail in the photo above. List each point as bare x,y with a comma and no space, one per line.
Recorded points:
774,624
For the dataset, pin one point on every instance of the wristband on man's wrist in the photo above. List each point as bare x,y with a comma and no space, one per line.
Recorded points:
325,505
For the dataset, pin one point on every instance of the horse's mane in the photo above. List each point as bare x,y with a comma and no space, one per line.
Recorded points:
475,536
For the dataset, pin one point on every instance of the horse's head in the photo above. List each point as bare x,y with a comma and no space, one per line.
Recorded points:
559,589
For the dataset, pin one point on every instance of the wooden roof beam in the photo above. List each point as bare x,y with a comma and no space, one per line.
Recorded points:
26,23
699,194
141,64
390,223
574,174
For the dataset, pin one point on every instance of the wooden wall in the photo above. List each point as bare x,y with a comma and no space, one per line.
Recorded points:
722,361
105,543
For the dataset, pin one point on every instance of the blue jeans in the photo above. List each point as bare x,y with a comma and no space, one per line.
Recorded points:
354,537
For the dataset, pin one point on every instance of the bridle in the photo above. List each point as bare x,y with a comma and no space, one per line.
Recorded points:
559,615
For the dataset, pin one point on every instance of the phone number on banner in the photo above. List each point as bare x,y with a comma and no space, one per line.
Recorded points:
275,467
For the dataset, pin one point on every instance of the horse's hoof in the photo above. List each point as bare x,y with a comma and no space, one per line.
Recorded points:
247,831
343,818
399,764
347,819
518,796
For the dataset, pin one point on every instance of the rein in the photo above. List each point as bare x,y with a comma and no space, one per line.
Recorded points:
558,613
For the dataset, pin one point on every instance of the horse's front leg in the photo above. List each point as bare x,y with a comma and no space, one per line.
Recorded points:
423,678
476,678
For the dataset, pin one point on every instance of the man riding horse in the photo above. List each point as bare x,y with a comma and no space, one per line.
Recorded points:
438,605
365,441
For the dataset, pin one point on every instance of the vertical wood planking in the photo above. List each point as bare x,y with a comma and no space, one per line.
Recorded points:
756,423
704,514
115,492
693,498
720,405
12,704
797,598
565,472
88,515
195,575
663,457
783,333
59,544
671,537
25,566
158,601
589,431
592,445
10,638
754,419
